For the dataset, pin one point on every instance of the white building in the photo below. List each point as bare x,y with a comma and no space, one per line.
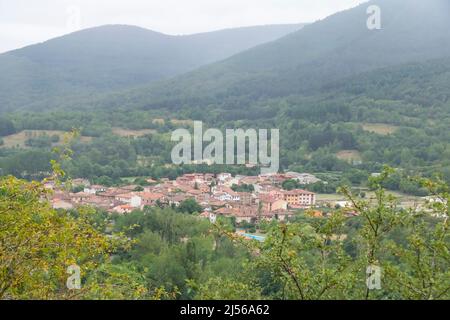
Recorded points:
303,178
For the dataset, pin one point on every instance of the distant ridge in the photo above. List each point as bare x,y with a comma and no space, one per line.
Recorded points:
114,57
337,47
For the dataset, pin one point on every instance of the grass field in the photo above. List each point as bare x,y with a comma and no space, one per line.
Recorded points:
380,128
404,201
175,121
349,155
132,133
18,140
329,197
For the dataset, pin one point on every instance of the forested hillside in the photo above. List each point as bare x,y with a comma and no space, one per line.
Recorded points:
114,57
327,128
328,50
409,104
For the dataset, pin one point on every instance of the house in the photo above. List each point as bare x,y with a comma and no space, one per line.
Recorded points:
194,192
122,209
176,200
297,198
223,193
130,188
191,179
278,179
227,196
101,202
80,183
250,180
61,204
81,197
152,199
212,217
225,211
165,187
273,178
247,214
209,178
222,178
233,181
343,204
131,198
281,215
242,213
124,197
151,181
246,198
94,189
111,193
216,204
205,214
269,203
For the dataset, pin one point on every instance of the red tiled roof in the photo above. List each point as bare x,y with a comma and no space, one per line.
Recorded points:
298,192
151,196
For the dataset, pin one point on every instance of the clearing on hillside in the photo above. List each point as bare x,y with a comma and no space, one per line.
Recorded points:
380,128
132,133
19,139
175,122
349,155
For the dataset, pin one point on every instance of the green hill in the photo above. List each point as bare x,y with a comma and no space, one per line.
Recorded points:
114,57
337,47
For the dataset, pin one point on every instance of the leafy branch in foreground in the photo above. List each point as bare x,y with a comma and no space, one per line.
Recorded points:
38,244
312,260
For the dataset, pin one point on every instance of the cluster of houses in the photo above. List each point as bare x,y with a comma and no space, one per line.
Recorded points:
266,200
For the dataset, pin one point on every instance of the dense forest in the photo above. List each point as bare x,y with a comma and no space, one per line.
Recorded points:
114,57
411,102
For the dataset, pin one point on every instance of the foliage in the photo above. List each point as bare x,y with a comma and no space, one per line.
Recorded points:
38,244
190,206
327,258
243,188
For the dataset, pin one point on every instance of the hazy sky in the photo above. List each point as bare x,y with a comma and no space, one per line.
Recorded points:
24,22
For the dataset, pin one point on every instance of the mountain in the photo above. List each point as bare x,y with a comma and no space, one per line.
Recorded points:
116,56
303,62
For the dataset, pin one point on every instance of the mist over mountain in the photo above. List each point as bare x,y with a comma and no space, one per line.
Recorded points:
116,56
307,60
81,70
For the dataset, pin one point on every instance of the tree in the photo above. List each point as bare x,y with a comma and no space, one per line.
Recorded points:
290,184
38,244
330,258
227,289
190,206
6,127
420,268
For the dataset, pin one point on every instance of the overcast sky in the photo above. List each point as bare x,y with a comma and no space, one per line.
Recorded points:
24,22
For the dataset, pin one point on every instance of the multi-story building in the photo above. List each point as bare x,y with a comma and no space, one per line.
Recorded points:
300,198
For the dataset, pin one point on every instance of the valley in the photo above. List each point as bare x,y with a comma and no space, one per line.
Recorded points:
337,161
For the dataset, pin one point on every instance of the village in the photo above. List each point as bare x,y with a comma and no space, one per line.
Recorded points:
248,199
